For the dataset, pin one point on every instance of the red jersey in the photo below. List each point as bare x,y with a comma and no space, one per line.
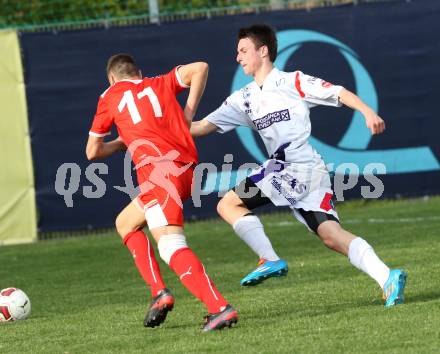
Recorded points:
147,115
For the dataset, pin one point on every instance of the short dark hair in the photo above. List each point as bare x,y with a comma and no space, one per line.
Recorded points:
122,66
261,34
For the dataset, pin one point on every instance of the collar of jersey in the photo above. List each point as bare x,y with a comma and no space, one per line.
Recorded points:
128,80
274,72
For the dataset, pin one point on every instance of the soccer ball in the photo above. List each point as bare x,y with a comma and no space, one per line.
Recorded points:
14,305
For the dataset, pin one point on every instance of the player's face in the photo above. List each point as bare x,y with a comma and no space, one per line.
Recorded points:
248,56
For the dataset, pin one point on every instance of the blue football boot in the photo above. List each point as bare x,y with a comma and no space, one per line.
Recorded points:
266,269
394,287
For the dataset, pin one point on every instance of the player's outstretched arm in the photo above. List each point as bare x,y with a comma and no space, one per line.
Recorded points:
202,127
195,76
373,121
97,149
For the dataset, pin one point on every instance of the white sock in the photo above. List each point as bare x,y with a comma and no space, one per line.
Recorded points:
363,257
250,229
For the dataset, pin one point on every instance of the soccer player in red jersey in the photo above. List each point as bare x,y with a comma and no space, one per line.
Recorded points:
155,130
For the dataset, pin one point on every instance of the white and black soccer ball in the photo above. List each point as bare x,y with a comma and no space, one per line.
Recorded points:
14,305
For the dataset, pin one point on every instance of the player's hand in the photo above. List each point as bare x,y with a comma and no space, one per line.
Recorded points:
374,123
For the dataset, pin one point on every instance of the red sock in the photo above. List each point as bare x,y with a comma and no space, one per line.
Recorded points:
140,247
193,276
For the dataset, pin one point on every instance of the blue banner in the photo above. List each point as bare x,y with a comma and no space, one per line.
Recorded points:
387,53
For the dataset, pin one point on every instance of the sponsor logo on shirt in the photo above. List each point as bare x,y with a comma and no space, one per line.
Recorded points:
246,93
272,118
280,81
247,106
326,84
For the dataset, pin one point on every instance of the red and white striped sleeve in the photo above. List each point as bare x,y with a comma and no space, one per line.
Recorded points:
174,81
315,90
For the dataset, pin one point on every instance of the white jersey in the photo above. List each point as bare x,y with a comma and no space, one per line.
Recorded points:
278,111
295,174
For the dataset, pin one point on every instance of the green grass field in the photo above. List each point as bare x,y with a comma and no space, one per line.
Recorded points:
87,296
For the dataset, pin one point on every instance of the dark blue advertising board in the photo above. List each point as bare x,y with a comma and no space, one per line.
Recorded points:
387,53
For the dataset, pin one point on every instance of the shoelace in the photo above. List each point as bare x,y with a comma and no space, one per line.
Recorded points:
211,315
388,291
207,318
261,262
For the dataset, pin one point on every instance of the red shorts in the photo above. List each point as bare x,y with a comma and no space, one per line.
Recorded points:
164,187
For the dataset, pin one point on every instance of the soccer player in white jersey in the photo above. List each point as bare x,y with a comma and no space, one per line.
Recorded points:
277,105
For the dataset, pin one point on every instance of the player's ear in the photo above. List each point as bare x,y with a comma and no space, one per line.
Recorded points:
111,78
264,51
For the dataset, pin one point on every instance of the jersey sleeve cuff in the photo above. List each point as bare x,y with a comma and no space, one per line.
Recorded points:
219,128
98,135
338,90
179,79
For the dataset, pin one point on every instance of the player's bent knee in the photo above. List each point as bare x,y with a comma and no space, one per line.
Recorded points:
119,224
329,242
169,245
229,200
221,206
328,232
123,225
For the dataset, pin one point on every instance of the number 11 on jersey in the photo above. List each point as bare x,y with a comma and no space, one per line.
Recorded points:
128,100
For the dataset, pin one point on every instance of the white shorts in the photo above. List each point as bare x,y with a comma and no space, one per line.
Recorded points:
301,187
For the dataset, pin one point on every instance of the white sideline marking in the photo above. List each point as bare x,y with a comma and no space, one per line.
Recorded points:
368,221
